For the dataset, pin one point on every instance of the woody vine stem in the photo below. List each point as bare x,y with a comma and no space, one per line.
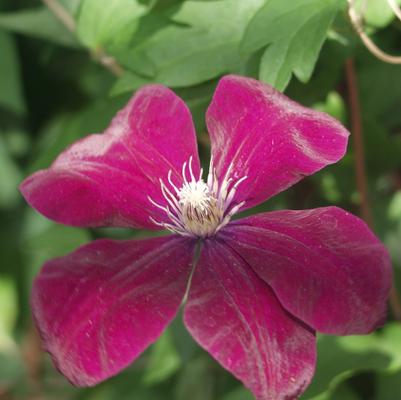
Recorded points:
68,21
357,22
356,123
360,168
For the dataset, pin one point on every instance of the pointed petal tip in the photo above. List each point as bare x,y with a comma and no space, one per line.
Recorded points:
98,308
325,265
257,128
236,317
105,179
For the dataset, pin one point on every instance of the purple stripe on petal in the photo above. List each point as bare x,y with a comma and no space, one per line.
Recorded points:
236,317
325,266
99,307
105,180
269,138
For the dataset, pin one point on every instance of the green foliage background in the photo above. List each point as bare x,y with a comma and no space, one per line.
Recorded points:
52,92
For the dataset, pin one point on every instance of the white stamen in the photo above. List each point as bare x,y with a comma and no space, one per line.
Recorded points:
233,190
190,170
167,211
171,182
198,208
171,199
210,175
228,216
184,166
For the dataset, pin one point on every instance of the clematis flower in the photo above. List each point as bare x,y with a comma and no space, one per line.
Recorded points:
256,289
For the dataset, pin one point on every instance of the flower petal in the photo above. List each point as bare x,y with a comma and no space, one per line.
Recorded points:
325,266
236,317
268,137
106,179
99,307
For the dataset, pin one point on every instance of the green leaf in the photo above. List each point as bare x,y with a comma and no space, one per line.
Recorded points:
294,34
195,381
108,22
330,188
393,234
394,209
129,82
381,147
202,43
10,177
38,22
8,310
376,13
11,367
334,105
379,96
197,98
239,394
66,129
71,6
164,361
388,386
341,392
10,86
342,357
43,240
17,142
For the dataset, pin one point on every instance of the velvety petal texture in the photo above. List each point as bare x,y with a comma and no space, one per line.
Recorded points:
325,266
262,285
237,318
98,308
106,179
268,137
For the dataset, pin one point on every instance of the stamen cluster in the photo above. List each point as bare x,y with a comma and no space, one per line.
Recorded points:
198,208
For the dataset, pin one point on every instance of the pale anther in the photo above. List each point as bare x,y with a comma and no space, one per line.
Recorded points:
198,208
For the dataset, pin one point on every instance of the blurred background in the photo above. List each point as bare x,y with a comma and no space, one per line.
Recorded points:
66,67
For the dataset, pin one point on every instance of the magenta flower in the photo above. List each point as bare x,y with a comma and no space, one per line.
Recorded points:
259,287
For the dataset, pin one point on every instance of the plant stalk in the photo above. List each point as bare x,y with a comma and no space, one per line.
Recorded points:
360,168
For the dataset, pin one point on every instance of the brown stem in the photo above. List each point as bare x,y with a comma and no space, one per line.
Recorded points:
4,393
395,303
107,61
62,15
357,23
357,136
361,175
33,357
99,55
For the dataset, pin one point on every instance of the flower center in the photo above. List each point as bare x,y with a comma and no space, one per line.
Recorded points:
200,211
198,208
